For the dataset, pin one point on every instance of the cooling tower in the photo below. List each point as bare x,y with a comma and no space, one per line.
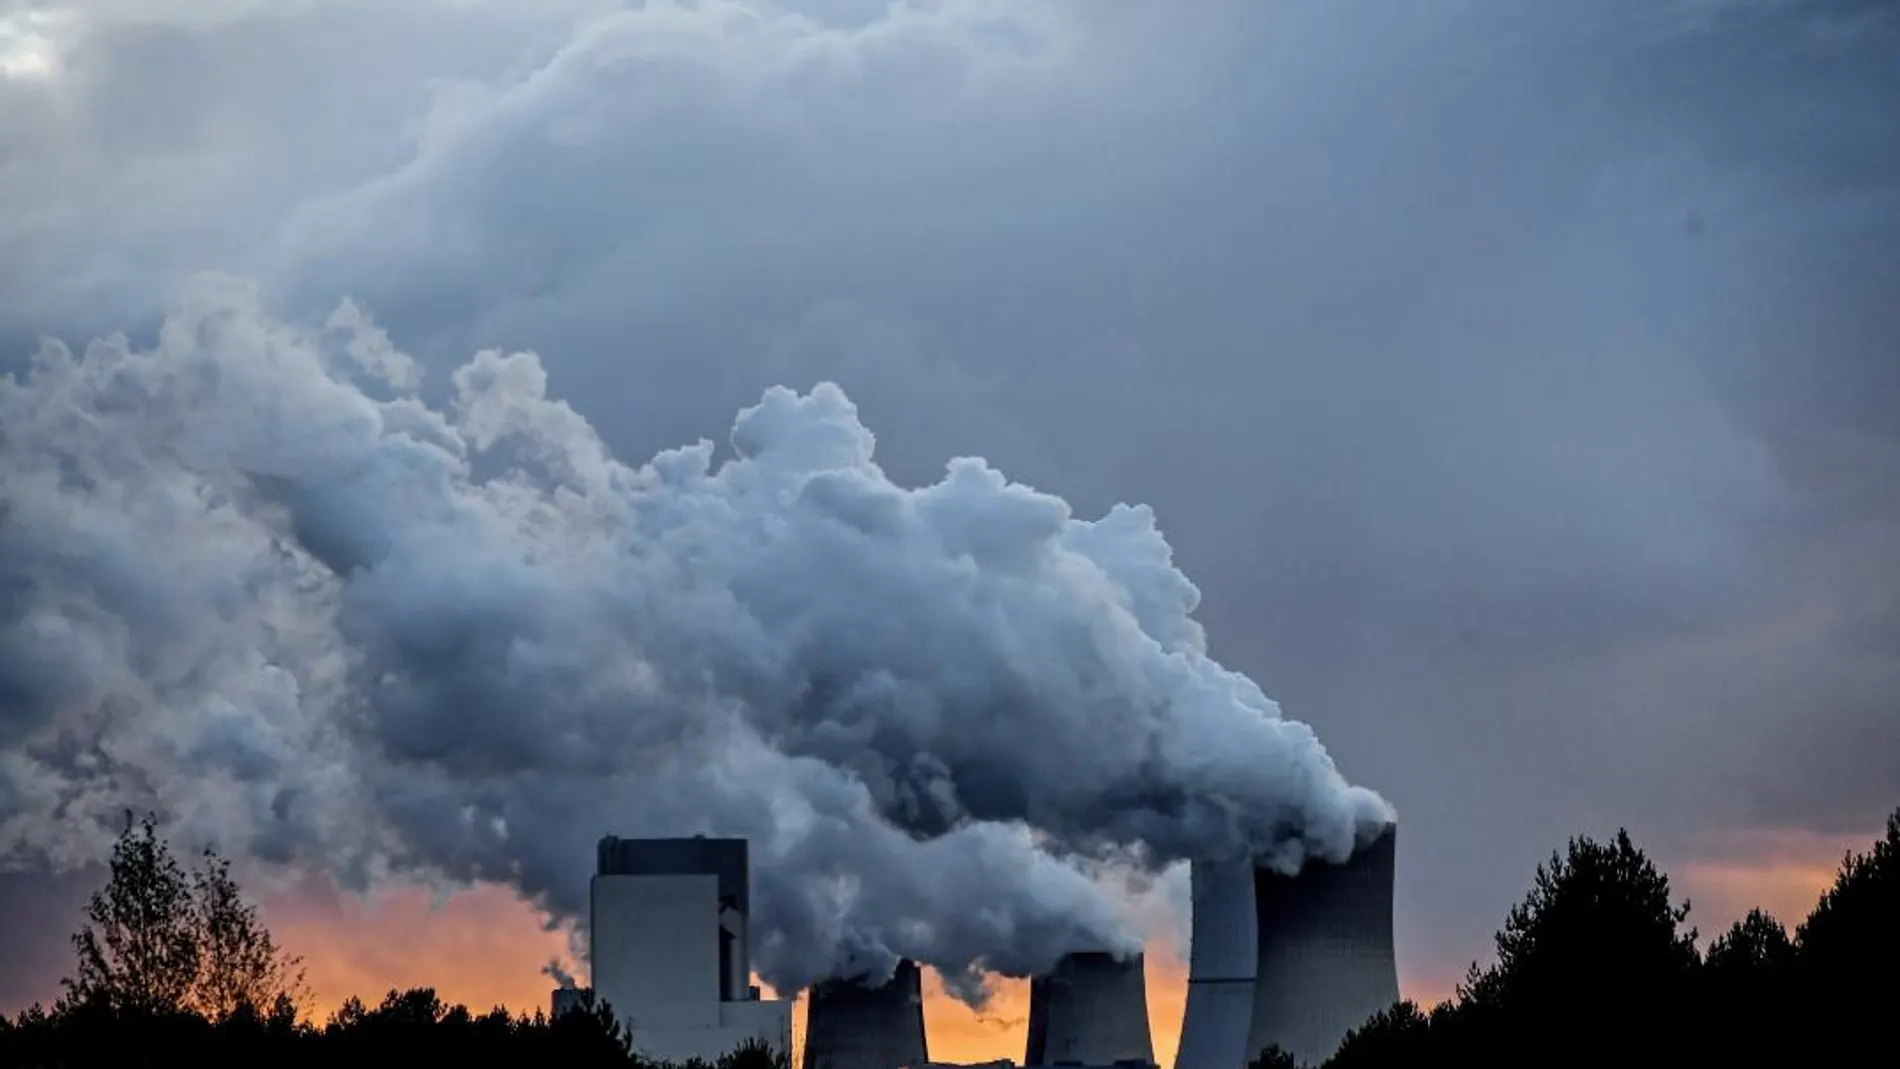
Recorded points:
1091,1010
567,1000
851,1026
1223,960
1326,959
1322,964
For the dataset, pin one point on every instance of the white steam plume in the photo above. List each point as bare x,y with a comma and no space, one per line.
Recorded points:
249,577
554,970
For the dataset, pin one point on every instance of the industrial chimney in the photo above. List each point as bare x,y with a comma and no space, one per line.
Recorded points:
1324,961
1092,1009
851,1026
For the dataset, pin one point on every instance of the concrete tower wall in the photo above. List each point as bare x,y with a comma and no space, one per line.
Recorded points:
1326,960
1091,1009
1222,962
851,1026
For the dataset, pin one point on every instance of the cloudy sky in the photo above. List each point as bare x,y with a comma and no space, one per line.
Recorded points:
1519,382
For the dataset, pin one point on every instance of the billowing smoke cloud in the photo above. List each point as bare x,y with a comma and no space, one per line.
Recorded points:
252,577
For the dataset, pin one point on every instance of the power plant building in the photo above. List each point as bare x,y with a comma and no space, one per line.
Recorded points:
852,1025
1091,1009
1277,961
1293,962
668,945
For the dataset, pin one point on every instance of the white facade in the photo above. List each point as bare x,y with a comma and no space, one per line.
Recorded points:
656,951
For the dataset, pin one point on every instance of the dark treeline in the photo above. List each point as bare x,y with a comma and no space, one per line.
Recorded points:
1596,966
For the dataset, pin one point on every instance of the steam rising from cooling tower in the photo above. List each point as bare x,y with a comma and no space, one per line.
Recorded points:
852,1024
252,578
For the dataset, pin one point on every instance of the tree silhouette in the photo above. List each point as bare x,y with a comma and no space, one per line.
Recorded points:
1747,991
1856,923
158,940
239,963
1847,947
138,951
591,1031
755,1054
1272,1057
1756,944
1392,1036
1597,951
98,1025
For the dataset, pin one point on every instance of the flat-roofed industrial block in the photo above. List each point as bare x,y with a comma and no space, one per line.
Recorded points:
667,931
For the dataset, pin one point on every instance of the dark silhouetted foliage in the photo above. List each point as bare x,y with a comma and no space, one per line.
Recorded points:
413,1027
159,940
1597,939
138,951
1845,953
240,968
1748,992
1273,1058
1397,1033
1596,966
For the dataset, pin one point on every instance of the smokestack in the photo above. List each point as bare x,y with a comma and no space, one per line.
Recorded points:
1326,958
1092,1009
851,1026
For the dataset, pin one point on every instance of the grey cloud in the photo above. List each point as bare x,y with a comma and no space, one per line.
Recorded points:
1510,378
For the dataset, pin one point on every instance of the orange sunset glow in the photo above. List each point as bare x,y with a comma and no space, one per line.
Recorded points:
1782,873
485,947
